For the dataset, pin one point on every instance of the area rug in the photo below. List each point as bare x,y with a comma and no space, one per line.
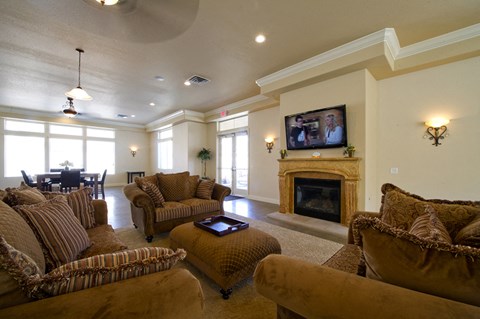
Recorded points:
244,301
232,197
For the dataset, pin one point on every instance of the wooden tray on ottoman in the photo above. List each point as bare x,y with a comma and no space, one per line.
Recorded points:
221,225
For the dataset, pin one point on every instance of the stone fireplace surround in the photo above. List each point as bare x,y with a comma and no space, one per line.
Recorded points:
339,168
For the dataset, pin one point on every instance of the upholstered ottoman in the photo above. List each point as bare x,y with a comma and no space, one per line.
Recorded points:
227,259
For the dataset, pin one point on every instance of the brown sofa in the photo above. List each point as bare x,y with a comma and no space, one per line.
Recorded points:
395,265
30,289
162,201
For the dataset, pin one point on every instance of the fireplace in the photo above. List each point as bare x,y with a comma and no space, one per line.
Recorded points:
318,198
343,171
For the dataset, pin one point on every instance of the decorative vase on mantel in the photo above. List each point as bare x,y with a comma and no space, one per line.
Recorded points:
349,151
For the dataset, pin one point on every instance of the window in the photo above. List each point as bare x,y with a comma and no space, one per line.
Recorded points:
24,153
63,149
101,156
232,124
36,147
66,130
165,149
94,132
24,126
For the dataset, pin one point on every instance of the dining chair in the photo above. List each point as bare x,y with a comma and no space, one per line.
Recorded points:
55,180
28,179
101,183
69,179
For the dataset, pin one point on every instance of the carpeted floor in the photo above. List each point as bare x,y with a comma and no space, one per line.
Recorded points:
244,301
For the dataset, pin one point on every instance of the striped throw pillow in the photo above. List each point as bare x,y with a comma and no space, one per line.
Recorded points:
104,269
81,203
429,226
205,189
154,193
58,231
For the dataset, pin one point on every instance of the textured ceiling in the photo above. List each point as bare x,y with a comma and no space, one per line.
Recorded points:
128,45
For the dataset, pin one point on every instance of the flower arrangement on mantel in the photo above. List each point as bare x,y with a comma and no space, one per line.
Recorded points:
66,164
349,151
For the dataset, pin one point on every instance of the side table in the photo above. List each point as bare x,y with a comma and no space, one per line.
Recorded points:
130,175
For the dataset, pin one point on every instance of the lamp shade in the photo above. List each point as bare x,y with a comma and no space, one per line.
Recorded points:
437,122
79,94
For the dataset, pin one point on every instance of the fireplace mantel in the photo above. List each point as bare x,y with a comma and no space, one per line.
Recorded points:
345,169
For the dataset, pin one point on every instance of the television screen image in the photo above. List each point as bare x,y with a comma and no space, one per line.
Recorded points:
322,128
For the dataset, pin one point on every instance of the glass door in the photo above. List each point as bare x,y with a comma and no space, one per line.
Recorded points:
233,170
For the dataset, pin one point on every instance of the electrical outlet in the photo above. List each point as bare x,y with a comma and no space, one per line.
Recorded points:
394,170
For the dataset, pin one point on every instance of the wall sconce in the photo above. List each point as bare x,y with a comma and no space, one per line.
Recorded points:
436,130
269,143
133,150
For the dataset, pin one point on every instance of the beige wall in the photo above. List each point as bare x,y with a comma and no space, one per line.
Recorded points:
405,102
188,140
263,174
385,123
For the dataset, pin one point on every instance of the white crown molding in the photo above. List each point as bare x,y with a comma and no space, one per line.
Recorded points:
386,35
9,112
443,40
393,50
176,117
238,104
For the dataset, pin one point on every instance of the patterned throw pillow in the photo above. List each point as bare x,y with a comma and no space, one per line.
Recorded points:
205,189
174,187
154,193
400,208
59,232
397,257
428,226
24,195
20,267
104,269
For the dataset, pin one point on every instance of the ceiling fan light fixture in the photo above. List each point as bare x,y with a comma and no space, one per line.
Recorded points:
79,93
69,111
107,2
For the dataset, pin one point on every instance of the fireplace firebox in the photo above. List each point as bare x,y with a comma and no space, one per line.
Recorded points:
318,198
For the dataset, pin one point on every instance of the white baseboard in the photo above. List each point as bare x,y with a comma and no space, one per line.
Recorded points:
264,199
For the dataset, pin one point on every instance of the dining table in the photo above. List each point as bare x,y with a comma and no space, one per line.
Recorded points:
57,175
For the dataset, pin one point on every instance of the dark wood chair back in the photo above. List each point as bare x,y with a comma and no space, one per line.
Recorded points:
69,179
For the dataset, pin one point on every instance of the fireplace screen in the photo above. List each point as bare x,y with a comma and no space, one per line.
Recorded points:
318,198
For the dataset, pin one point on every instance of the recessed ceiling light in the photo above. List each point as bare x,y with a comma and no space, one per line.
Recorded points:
187,83
152,104
122,116
260,38
133,115
159,78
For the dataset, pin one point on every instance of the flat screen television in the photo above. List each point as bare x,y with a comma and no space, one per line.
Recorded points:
322,128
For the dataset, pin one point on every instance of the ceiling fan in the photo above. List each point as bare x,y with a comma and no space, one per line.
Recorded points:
138,21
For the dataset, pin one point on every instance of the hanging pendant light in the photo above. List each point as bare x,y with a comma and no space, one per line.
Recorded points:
69,109
79,93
